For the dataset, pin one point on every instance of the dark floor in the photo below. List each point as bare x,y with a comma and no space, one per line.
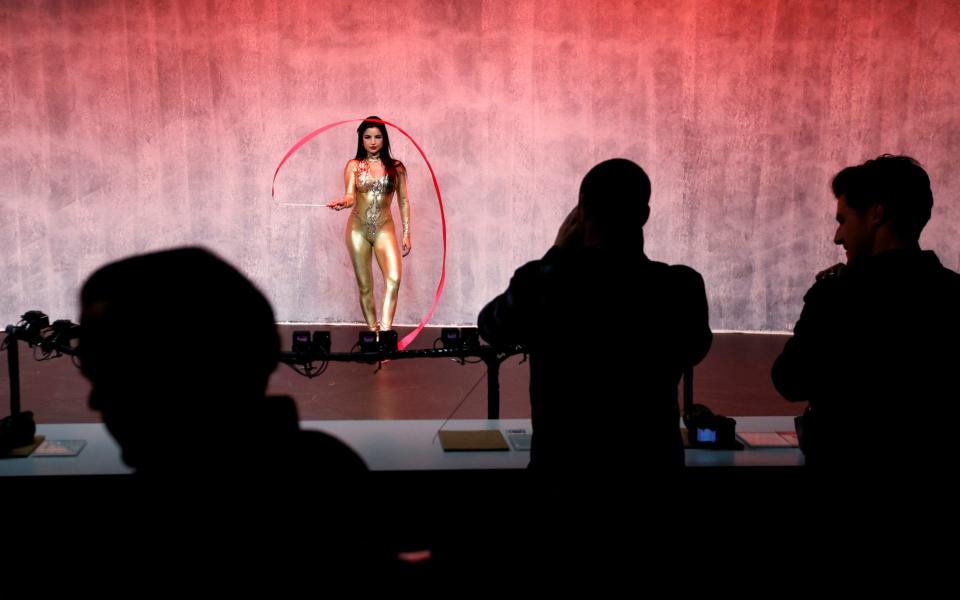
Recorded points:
734,380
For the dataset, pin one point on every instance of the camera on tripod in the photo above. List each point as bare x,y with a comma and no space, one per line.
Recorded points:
19,428
61,333
30,328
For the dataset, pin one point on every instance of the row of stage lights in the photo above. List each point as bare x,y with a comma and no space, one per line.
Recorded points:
35,329
53,340
456,338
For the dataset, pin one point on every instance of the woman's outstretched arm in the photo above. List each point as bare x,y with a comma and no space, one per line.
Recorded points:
349,183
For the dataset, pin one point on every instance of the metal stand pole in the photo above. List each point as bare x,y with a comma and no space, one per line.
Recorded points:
13,366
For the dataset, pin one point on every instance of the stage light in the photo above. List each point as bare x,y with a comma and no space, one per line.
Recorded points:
301,341
321,342
388,341
460,337
368,341
384,341
470,337
450,337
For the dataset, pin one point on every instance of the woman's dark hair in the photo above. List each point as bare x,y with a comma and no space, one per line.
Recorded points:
389,163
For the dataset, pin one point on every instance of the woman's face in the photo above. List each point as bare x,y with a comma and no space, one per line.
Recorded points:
372,140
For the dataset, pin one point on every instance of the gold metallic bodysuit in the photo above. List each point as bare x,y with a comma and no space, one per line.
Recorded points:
370,230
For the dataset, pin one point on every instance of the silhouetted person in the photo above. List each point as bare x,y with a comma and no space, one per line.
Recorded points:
609,332
179,347
875,351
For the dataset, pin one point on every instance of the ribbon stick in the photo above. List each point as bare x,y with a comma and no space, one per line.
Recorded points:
407,339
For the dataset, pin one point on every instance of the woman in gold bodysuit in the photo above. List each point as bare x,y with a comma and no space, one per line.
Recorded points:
371,180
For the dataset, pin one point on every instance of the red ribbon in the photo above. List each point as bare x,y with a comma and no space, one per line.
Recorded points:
436,186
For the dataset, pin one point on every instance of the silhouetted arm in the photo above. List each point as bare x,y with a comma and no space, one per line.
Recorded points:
694,337
512,316
811,359
502,320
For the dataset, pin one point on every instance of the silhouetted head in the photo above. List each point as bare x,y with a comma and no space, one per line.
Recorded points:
368,142
614,197
884,201
173,343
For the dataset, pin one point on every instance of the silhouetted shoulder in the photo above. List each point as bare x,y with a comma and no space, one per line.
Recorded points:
302,452
824,289
326,454
537,271
685,274
951,279
681,276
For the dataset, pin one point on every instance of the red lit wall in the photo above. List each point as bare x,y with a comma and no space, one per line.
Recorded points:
130,126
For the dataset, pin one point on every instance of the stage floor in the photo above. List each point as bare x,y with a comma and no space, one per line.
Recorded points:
733,380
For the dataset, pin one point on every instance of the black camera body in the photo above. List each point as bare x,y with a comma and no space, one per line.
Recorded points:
707,430
31,326
62,333
17,430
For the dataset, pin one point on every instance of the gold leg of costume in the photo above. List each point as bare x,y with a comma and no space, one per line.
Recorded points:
360,251
387,251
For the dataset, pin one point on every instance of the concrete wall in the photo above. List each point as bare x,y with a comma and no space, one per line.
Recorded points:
130,126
